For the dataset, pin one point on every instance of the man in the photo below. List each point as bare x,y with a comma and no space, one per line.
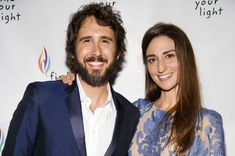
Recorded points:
87,117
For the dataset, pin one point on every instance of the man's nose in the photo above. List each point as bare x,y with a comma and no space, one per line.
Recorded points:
96,49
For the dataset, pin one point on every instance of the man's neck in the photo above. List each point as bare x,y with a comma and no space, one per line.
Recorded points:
98,94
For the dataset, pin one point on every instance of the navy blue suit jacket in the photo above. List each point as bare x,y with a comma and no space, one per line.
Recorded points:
48,122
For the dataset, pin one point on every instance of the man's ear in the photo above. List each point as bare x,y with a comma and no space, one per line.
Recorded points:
72,56
118,56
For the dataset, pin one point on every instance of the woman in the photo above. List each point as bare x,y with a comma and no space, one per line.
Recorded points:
172,120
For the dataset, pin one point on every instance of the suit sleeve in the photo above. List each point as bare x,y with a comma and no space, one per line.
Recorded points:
22,132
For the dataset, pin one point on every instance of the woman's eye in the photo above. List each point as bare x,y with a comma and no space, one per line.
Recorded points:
169,56
151,60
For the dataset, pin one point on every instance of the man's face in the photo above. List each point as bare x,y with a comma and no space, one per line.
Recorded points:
95,50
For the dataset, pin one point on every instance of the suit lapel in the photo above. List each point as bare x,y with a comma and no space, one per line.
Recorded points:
75,114
118,125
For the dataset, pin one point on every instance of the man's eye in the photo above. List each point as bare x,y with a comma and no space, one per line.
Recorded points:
86,41
105,41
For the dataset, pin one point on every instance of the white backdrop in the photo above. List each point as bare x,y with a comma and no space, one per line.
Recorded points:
30,28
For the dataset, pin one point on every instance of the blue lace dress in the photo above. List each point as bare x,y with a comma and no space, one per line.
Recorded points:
149,140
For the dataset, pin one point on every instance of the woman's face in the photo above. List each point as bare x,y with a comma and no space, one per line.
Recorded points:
162,63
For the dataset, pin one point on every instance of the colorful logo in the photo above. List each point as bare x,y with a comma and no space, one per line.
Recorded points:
1,139
44,62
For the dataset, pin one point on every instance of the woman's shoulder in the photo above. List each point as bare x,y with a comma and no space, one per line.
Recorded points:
141,102
143,105
211,119
210,115
209,127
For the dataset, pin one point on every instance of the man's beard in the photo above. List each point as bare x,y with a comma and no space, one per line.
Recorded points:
95,78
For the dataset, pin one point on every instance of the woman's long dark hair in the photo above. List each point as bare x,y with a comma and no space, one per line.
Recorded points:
184,114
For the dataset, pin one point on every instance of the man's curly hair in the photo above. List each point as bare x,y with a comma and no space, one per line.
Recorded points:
105,16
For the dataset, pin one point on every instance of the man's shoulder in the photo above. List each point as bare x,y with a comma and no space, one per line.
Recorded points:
47,87
121,97
126,103
47,84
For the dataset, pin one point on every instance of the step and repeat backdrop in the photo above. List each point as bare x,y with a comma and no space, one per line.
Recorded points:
32,48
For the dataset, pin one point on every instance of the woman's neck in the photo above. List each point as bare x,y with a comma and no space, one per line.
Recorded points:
167,100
